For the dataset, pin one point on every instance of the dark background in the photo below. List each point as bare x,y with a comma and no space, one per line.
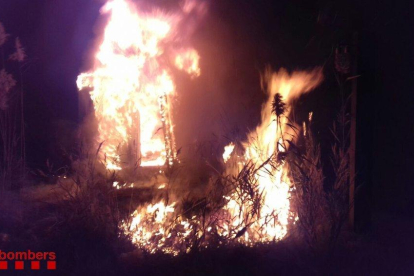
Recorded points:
236,41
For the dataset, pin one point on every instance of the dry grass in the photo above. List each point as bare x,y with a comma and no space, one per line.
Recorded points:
321,204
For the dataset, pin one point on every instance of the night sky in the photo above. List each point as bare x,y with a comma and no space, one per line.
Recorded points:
246,36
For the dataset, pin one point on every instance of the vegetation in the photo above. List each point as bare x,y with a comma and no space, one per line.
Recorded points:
12,140
80,216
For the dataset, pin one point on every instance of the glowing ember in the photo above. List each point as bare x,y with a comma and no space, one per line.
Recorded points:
131,88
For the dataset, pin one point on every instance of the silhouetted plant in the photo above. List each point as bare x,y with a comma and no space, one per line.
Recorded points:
279,109
278,106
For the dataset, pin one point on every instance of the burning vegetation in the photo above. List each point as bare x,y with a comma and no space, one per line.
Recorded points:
129,182
133,93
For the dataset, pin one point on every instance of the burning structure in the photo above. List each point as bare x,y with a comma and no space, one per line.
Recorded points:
131,86
132,90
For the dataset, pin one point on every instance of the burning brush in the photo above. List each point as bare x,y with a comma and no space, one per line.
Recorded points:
132,91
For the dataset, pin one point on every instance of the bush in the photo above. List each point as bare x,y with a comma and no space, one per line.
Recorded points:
320,203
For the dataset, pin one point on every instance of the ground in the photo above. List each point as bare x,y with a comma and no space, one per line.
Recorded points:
387,248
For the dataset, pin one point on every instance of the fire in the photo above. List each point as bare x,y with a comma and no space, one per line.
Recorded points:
258,208
150,230
132,87
270,179
228,150
188,62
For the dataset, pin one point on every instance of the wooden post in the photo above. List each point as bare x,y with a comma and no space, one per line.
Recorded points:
138,142
168,135
352,147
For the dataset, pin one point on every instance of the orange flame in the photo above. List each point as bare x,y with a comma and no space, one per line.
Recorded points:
132,89
263,144
188,62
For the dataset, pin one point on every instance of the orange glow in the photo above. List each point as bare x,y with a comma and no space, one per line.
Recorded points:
188,62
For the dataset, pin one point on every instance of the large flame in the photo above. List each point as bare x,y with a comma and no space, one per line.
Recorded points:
261,149
132,87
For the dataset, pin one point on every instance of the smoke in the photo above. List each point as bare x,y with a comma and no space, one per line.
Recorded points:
224,102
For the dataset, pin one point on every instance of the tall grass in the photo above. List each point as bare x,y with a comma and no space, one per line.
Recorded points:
90,201
12,123
321,203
